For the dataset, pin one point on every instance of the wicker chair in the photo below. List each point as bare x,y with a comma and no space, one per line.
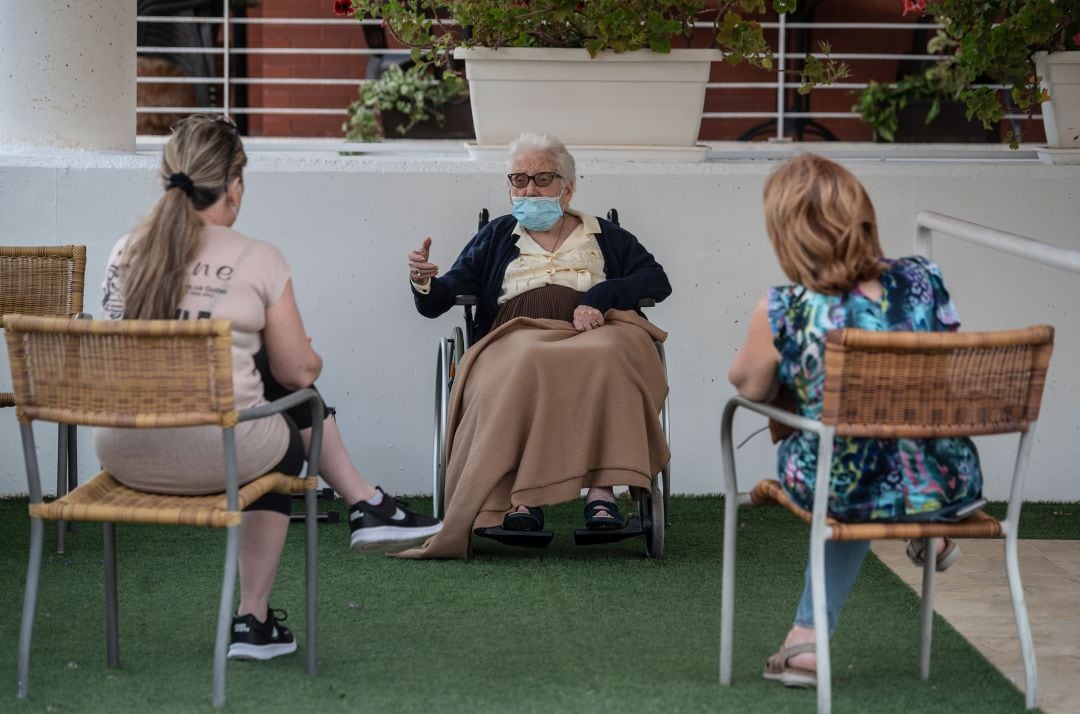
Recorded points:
46,281
143,374
889,385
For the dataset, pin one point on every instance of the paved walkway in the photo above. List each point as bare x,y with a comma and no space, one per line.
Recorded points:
974,597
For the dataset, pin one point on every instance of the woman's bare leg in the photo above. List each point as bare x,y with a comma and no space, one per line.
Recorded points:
262,538
336,466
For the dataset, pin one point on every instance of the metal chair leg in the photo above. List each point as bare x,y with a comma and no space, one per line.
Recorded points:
1023,627
311,586
926,614
225,612
33,574
62,433
731,516
73,465
727,589
821,625
112,619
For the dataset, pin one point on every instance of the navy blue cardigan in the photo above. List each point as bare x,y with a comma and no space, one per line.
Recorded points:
631,273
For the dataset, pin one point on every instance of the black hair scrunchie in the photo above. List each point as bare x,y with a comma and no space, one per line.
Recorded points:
183,182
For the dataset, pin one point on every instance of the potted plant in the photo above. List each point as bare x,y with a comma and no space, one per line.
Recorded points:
411,102
920,107
1027,45
550,64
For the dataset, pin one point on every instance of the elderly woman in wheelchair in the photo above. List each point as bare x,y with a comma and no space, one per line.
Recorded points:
563,388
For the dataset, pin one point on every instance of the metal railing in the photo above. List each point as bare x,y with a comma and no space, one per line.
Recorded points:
928,222
781,85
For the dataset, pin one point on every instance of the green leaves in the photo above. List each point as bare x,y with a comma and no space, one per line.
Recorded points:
879,104
416,93
993,42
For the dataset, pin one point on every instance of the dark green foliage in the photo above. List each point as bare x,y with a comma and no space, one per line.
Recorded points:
992,42
418,93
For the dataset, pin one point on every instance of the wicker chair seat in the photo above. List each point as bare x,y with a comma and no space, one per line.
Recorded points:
103,498
977,525
7,399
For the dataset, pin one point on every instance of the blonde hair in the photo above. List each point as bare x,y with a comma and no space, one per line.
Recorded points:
201,157
821,225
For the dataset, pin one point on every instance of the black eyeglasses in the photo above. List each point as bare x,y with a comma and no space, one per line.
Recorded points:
542,179
228,121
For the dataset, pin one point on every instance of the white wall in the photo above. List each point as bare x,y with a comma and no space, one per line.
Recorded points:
68,76
346,224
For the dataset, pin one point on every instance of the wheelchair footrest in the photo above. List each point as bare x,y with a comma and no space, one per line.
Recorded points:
593,536
524,539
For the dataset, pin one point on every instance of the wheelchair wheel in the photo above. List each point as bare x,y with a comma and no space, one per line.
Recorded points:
665,424
651,510
449,355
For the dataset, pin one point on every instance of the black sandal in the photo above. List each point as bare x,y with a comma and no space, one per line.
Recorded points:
613,521
532,519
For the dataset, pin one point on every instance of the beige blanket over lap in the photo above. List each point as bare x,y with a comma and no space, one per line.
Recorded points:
539,411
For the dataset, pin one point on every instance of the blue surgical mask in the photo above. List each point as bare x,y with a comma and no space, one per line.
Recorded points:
537,213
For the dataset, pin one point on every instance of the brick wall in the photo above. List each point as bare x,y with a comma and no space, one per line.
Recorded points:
307,66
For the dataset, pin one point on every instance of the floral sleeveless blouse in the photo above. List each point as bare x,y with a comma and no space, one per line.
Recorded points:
872,479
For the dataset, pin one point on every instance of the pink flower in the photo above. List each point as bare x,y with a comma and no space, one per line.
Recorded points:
914,6
343,7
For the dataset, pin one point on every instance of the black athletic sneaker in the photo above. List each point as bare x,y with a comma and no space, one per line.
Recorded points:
252,639
389,526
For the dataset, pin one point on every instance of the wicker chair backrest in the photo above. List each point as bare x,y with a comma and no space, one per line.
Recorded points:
122,373
934,384
44,280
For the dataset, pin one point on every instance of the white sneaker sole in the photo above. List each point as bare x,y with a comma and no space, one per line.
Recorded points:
390,539
244,650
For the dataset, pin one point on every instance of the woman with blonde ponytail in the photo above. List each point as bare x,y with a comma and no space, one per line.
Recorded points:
184,261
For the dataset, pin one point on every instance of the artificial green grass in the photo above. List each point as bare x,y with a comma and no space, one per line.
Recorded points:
559,630
1044,521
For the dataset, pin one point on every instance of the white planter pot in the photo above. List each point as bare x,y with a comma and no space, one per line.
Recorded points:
1059,74
638,98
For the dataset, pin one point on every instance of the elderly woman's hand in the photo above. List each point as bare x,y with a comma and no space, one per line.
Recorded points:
420,270
587,318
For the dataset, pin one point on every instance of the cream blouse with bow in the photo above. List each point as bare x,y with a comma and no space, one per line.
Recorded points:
577,264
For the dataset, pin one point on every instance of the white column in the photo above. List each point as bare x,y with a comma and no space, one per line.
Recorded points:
67,73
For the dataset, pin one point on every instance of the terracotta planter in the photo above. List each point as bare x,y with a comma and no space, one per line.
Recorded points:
1059,74
638,98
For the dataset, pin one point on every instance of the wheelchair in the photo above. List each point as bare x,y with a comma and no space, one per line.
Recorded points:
650,521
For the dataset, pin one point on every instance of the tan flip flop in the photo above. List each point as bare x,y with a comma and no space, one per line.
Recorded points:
777,669
916,553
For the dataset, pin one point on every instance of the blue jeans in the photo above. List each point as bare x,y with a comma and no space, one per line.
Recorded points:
843,560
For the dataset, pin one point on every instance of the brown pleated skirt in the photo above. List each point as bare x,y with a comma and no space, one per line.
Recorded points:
548,302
